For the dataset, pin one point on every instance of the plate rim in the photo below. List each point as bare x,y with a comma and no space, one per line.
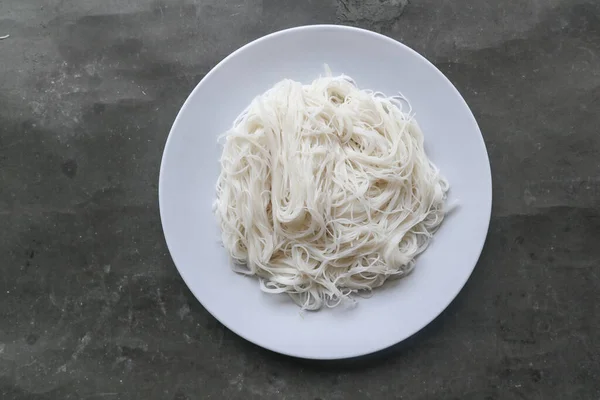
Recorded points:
375,35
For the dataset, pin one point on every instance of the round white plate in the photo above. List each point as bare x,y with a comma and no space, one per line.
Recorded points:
190,168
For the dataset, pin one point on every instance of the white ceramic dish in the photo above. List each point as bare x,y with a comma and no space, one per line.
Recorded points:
190,168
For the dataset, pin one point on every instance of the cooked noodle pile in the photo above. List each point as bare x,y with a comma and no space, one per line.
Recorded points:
325,190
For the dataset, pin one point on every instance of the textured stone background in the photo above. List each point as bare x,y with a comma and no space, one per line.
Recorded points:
91,306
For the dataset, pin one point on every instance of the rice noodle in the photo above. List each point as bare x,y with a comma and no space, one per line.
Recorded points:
325,190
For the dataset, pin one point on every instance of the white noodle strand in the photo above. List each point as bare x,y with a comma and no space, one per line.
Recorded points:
325,190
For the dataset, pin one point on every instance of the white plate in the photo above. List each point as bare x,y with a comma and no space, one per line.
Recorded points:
190,168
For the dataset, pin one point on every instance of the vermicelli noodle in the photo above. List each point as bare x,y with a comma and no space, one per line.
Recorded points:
325,190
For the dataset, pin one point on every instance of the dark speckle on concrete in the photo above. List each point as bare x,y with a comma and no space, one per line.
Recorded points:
31,339
375,13
180,396
91,306
69,168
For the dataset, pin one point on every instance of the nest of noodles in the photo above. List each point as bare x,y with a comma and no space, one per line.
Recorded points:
325,190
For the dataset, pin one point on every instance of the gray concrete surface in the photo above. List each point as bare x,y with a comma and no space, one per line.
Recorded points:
91,306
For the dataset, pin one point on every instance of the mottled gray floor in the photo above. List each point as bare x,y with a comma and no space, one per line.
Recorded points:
91,306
